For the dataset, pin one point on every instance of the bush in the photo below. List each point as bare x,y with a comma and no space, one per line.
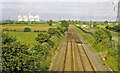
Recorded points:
102,37
54,31
62,29
64,23
116,28
108,27
27,29
50,22
43,37
36,31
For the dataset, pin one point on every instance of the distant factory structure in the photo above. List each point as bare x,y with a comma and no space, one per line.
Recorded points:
20,18
30,18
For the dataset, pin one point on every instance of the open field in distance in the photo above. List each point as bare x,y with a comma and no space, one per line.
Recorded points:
21,28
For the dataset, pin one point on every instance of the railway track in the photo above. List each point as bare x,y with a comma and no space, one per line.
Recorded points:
74,56
77,42
68,43
74,40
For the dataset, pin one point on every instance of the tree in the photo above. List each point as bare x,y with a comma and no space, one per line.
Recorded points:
103,37
76,22
84,22
64,23
27,29
50,22
54,31
16,57
108,27
43,37
7,22
79,22
116,28
62,29
69,21
105,22
13,54
7,39
72,22
108,34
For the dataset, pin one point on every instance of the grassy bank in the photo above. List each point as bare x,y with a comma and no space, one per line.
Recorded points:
112,56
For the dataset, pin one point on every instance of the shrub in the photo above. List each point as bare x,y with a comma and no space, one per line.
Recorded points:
64,23
43,37
108,27
27,29
54,31
116,28
14,30
36,31
102,37
62,29
50,22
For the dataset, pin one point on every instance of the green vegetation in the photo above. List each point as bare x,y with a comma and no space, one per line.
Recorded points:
40,25
114,28
105,22
50,22
74,22
115,34
17,57
102,39
101,42
64,23
22,23
54,32
43,37
24,37
20,56
27,29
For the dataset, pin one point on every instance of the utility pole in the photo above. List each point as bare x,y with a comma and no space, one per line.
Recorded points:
118,13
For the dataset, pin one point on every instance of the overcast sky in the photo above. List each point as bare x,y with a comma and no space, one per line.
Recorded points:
97,10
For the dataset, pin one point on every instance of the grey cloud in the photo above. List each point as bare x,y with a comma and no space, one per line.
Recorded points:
54,10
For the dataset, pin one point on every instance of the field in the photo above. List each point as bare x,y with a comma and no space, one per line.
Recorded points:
20,27
26,37
40,25
35,55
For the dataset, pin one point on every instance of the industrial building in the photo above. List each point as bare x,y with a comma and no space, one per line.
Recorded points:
37,18
30,18
20,18
25,18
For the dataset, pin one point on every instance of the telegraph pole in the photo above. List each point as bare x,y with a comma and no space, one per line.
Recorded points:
118,21
118,13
